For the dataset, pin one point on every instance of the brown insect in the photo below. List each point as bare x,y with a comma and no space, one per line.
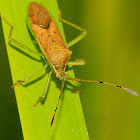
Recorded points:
53,49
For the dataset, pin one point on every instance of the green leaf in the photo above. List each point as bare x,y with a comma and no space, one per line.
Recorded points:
69,122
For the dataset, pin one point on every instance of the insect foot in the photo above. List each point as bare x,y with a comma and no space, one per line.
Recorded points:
17,83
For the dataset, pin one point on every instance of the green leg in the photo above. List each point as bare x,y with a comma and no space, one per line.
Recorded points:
45,90
76,90
18,43
77,62
81,36
75,83
30,77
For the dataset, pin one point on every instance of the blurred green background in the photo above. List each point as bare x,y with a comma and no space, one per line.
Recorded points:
112,50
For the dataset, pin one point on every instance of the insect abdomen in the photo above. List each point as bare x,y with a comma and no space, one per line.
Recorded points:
48,36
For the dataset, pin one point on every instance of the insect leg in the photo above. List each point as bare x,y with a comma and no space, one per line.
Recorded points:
77,39
30,77
45,90
76,90
18,43
77,62
94,81
62,87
